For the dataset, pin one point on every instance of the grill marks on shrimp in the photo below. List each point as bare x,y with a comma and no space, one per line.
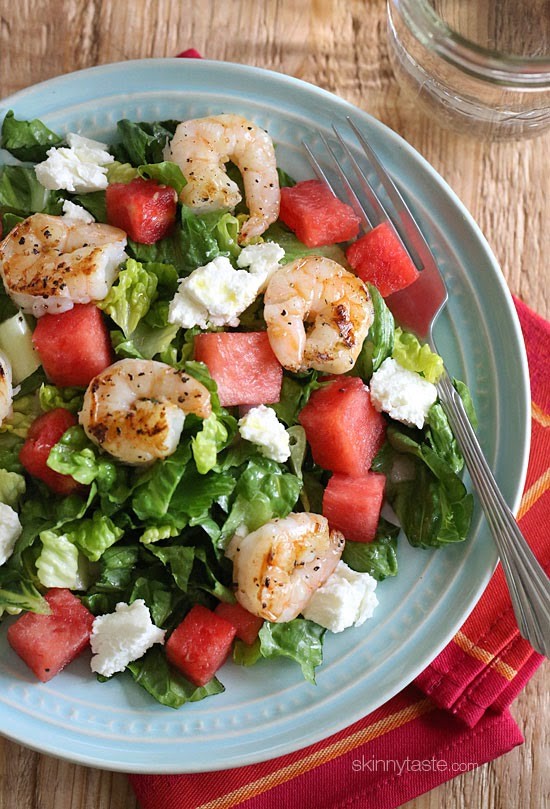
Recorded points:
135,409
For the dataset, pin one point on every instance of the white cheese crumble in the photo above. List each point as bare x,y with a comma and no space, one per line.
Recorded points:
10,530
215,294
78,168
402,394
346,599
262,260
262,427
122,636
76,212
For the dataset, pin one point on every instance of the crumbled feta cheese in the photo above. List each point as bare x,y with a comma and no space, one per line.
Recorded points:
10,530
346,599
262,260
262,427
402,394
78,168
215,294
77,212
122,636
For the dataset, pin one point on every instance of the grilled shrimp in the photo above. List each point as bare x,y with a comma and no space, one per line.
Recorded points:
48,263
277,568
135,409
201,148
317,291
6,389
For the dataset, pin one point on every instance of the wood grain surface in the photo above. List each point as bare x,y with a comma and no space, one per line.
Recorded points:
341,47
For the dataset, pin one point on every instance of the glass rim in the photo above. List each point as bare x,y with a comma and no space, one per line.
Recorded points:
489,65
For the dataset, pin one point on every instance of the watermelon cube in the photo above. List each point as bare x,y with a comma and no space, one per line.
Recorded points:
200,644
342,426
246,625
380,258
143,208
47,643
73,346
44,433
352,505
243,365
316,216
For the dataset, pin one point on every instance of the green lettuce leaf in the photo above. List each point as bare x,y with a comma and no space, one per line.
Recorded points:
94,203
130,297
93,535
195,241
18,589
411,354
431,502
75,455
142,142
21,193
27,140
264,491
179,560
300,640
379,557
50,397
379,342
145,342
12,487
295,393
207,443
165,173
166,684
57,565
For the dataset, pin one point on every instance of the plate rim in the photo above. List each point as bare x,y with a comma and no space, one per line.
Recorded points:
521,471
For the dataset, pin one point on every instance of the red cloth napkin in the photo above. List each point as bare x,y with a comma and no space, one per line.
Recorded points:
453,718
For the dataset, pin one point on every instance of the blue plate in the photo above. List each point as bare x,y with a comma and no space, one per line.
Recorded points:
269,709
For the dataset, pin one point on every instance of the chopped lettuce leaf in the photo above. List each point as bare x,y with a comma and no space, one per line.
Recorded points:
264,491
165,173
411,354
93,535
194,242
130,296
57,565
27,140
432,504
166,684
12,487
300,640
208,441
377,558
50,397
379,342
21,193
142,142
75,455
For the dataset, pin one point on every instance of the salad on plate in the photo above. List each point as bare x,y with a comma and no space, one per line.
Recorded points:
212,430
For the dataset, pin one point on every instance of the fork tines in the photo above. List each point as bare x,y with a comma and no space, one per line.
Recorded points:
362,194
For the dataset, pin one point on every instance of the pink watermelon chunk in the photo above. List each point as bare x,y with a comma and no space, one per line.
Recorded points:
243,366
47,643
352,505
342,426
316,216
379,258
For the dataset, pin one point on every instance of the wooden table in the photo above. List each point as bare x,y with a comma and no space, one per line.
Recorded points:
341,47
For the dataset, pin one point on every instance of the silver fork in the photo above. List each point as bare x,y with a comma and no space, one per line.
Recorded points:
416,309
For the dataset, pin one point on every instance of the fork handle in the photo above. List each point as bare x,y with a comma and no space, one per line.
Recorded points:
528,584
